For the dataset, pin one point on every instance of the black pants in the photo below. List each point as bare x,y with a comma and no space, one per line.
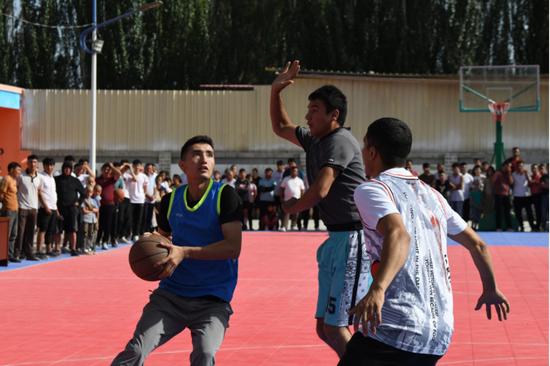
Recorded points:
26,222
521,203
364,351
502,207
104,234
136,212
148,210
466,210
536,200
124,219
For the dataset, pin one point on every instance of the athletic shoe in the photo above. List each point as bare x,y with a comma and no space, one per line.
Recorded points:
14,260
114,245
33,258
124,240
104,246
74,253
41,255
65,250
135,238
53,254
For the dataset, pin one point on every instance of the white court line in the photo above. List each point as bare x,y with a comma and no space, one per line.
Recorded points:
100,358
485,360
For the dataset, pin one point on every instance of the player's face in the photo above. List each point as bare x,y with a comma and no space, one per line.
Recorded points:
199,162
317,118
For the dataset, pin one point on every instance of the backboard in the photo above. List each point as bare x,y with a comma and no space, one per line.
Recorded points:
517,85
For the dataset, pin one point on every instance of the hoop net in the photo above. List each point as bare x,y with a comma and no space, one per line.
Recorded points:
499,110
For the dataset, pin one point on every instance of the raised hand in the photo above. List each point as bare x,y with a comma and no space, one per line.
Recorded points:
496,298
286,77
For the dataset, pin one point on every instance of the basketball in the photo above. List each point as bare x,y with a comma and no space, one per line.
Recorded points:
119,195
145,253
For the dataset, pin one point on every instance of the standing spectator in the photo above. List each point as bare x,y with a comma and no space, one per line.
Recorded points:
149,205
426,176
488,197
502,180
176,181
409,167
266,188
544,197
137,186
83,172
255,176
47,213
124,220
522,199
456,182
90,211
442,184
516,158
476,196
439,170
467,180
217,176
484,168
10,206
241,186
291,187
27,197
70,194
229,178
251,204
107,180
536,190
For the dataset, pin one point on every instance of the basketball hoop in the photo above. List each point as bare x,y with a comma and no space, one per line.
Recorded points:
499,110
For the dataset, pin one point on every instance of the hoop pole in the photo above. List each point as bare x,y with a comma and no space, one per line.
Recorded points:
93,90
499,145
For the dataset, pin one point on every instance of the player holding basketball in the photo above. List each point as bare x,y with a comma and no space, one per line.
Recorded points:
407,315
335,169
203,219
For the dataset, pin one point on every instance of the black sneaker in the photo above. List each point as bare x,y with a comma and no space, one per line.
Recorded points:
65,250
74,253
52,254
33,258
14,260
42,256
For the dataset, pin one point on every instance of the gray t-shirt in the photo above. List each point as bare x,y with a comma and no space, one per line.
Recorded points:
341,151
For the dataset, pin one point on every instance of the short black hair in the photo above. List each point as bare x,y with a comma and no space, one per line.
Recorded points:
13,165
425,165
136,162
392,138
67,164
291,160
48,161
242,170
32,157
332,98
200,139
268,170
463,163
280,162
456,165
69,158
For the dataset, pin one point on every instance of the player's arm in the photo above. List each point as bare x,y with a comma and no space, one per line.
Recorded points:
482,259
316,192
395,250
280,121
116,172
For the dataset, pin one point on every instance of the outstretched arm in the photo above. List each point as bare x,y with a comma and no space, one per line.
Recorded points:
280,121
482,258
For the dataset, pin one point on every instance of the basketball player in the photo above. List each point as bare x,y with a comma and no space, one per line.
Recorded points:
407,315
334,169
203,219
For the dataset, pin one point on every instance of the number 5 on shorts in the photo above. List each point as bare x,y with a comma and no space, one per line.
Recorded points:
331,306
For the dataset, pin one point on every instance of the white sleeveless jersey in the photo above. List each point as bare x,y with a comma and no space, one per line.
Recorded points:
417,315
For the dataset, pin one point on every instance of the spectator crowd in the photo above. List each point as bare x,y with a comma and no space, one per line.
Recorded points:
74,211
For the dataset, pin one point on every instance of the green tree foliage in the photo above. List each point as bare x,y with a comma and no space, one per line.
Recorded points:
186,43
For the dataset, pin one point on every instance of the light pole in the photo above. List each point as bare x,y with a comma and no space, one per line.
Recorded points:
96,48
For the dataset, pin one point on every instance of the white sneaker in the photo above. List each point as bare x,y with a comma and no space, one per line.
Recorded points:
135,238
282,229
124,240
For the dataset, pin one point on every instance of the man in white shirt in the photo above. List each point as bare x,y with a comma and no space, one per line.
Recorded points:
407,315
47,213
467,180
456,182
137,186
27,197
522,196
148,208
291,187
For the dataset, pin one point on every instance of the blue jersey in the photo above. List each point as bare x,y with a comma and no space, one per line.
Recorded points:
199,226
